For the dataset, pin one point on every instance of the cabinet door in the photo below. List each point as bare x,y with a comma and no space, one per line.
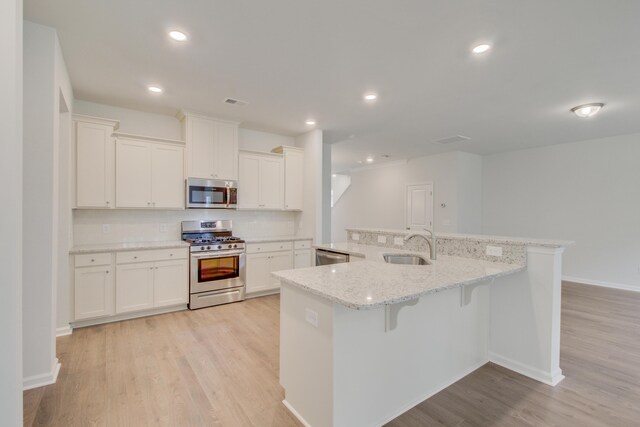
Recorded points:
271,183
226,156
249,182
94,165
258,272
94,292
133,174
200,147
134,287
302,258
279,261
167,177
293,180
170,283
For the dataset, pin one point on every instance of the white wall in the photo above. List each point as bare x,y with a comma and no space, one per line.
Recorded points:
262,141
310,221
133,121
46,81
587,191
377,196
11,213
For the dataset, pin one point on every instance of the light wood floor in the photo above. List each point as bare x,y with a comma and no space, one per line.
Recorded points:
219,367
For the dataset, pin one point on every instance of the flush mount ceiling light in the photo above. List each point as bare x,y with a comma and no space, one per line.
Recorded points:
587,110
155,89
370,97
369,159
333,175
178,36
481,48
310,122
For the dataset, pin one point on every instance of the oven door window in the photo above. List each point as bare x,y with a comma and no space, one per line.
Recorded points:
211,269
207,195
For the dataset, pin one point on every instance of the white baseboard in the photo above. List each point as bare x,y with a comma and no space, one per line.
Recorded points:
64,331
600,283
295,413
42,379
274,291
551,379
128,316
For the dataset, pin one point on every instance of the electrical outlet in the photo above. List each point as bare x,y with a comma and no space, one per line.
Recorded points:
105,228
163,228
355,236
398,241
311,317
494,250
382,239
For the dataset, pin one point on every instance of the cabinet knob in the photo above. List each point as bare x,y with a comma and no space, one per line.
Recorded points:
107,271
135,257
170,254
108,203
93,260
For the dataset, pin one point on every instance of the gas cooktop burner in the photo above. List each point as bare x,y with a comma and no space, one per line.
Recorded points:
207,241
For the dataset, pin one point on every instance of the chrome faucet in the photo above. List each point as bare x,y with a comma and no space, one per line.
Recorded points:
431,241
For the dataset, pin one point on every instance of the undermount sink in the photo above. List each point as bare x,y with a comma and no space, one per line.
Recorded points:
405,259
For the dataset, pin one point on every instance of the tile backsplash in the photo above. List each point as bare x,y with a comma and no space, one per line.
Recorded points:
128,225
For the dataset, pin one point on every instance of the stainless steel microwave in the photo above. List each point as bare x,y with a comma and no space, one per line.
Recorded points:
211,194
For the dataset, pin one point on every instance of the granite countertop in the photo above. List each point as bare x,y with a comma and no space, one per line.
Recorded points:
476,237
276,239
131,246
373,283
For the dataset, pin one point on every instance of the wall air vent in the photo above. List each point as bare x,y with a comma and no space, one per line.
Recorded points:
452,139
233,101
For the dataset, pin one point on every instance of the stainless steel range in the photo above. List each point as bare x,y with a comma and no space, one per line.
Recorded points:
218,271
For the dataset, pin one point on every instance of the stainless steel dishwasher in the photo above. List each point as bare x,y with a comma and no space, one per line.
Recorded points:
324,257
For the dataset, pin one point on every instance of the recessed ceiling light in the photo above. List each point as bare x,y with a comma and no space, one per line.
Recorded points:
370,96
333,175
178,36
155,89
481,48
369,159
587,110
310,122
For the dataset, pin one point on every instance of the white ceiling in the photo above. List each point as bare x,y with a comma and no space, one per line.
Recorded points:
298,59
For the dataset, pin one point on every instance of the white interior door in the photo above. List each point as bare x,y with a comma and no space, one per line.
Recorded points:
420,207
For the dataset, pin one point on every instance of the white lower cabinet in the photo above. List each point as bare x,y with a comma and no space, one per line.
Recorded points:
265,258
141,280
302,258
134,287
94,292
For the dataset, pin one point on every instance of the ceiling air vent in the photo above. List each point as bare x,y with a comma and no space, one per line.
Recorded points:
452,139
233,101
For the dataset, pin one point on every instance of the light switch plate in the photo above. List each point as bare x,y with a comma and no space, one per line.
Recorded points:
382,239
398,241
355,236
311,317
494,250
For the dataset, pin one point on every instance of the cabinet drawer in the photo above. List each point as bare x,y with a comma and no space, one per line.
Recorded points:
302,244
151,255
256,248
90,260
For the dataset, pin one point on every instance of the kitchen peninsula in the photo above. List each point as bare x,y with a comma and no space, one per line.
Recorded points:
362,342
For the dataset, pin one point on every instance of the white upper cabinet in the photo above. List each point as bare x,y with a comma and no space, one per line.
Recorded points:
94,161
211,147
293,176
149,175
261,181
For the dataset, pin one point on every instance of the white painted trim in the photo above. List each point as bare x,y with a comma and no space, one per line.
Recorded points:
551,379
274,291
42,379
295,413
437,390
378,165
96,120
122,135
64,331
183,114
612,285
262,153
127,316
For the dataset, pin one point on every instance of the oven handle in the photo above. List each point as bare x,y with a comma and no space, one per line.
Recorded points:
216,255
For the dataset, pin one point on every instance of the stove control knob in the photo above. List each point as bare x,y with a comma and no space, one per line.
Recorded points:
219,246
230,246
235,246
202,248
208,247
